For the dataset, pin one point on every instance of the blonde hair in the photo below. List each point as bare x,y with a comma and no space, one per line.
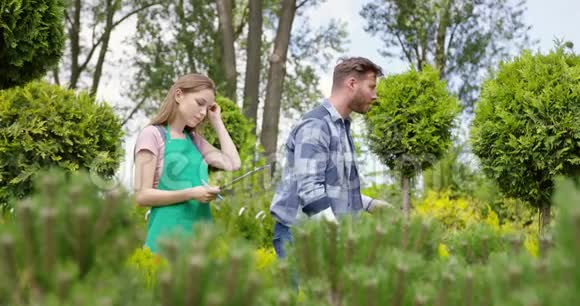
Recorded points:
188,83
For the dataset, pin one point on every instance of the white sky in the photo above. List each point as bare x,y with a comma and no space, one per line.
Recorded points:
549,20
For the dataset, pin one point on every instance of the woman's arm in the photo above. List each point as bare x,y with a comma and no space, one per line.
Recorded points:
228,158
146,195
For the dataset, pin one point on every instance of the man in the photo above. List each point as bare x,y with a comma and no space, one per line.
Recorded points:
321,178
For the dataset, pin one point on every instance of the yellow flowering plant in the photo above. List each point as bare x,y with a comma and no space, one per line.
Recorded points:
467,221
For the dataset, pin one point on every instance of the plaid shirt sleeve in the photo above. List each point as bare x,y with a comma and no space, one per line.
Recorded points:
311,155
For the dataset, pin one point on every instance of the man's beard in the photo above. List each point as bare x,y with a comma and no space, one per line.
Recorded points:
359,104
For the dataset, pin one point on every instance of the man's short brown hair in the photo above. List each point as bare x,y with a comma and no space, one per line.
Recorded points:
357,67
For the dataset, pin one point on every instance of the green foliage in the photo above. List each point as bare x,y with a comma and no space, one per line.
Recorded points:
526,130
474,229
44,126
461,38
301,90
31,39
409,125
63,234
475,244
160,61
452,174
190,44
567,197
70,226
484,268
454,213
458,180
514,210
309,49
386,192
147,265
195,277
360,253
246,214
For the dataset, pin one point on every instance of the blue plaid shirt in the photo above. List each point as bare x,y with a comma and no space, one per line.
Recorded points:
320,170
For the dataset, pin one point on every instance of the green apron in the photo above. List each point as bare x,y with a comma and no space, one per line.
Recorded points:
183,167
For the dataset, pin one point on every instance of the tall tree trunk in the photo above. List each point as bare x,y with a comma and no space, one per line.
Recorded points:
440,52
75,48
276,74
111,9
406,190
253,63
189,45
225,14
544,211
56,75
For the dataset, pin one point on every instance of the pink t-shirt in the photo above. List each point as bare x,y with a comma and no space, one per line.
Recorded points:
150,139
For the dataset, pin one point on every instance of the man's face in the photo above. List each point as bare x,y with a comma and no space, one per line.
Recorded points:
364,93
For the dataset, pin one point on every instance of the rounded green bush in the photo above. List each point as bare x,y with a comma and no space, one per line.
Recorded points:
526,129
410,124
43,126
31,39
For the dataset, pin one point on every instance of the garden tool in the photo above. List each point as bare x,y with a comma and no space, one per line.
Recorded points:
240,178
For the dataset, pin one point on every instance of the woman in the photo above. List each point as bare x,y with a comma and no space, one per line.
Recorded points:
171,160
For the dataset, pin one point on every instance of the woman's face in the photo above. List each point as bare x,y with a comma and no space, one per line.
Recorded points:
193,106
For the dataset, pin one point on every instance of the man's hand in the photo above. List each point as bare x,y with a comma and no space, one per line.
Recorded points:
326,214
376,205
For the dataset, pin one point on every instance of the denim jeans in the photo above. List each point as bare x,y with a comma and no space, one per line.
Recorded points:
282,236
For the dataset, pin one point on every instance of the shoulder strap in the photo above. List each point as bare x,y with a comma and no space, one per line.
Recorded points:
161,130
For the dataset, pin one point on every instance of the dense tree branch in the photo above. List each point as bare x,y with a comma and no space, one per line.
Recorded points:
67,18
405,51
111,9
243,22
452,36
113,26
301,4
134,111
